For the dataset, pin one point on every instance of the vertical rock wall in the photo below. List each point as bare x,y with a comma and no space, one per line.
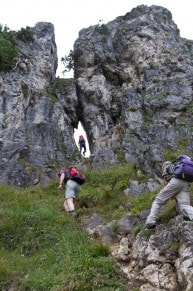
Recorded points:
134,83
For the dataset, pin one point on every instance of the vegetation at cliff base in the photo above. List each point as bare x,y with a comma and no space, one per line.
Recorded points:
42,248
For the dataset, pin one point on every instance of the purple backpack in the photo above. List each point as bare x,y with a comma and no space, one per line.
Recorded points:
184,168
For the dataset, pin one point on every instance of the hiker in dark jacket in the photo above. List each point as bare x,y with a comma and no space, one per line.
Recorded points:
173,188
82,144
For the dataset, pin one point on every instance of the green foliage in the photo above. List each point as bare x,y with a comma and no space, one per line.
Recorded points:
175,246
162,95
99,250
61,85
53,98
142,202
119,153
156,80
146,233
132,108
190,108
25,90
8,49
137,229
182,143
103,191
42,248
191,191
102,29
168,212
25,34
68,62
170,155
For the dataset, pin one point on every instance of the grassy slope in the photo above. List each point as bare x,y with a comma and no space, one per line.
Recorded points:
42,248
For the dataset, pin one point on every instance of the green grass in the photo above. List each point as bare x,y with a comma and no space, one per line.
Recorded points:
103,192
42,248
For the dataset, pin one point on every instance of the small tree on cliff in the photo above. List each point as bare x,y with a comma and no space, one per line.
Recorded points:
68,62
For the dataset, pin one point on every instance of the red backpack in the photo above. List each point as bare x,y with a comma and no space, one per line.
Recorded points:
72,174
77,176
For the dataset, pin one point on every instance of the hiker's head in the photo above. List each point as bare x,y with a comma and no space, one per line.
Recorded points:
165,164
73,166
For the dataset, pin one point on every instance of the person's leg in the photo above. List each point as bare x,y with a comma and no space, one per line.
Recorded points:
71,189
66,206
183,200
77,190
84,149
70,203
169,191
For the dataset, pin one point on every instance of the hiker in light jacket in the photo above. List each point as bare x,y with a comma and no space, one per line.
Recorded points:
173,188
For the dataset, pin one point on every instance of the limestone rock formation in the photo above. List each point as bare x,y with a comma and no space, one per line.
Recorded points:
36,126
160,259
134,83
132,92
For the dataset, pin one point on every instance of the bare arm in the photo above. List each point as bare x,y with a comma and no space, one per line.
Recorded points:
61,180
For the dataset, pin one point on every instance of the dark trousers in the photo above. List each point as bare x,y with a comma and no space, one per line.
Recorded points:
83,146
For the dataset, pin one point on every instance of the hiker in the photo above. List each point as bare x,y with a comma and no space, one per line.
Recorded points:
175,188
82,144
72,188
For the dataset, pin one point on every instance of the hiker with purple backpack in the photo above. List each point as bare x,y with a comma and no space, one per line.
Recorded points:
176,179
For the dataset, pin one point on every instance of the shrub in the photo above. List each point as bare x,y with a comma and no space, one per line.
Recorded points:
25,34
8,49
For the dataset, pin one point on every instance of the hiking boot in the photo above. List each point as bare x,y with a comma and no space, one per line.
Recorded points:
150,225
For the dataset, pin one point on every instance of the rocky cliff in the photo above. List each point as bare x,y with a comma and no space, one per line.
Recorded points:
153,260
134,83
132,92
36,125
